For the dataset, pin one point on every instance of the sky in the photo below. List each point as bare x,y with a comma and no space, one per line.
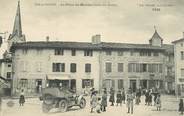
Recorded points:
125,21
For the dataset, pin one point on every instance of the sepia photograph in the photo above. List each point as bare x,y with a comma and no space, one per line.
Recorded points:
91,57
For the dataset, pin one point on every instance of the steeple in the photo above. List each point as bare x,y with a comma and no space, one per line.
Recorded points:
16,36
17,29
156,39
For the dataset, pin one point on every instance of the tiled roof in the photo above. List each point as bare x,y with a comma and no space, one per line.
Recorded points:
87,45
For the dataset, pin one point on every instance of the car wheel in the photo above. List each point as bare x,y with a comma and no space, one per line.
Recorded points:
63,106
45,108
48,99
82,103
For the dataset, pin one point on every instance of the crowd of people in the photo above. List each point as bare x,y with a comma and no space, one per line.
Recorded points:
99,103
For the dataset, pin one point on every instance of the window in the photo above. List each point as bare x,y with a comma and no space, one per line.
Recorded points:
108,67
150,68
182,55
155,54
131,53
9,65
8,75
58,67
87,83
23,83
87,68
73,52
73,67
131,67
144,67
59,52
120,67
137,67
24,51
120,53
145,53
39,65
120,83
108,53
160,68
88,53
182,72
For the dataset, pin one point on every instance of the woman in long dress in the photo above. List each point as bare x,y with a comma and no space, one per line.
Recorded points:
22,99
94,101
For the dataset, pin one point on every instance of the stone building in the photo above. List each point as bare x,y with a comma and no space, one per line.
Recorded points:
179,65
137,65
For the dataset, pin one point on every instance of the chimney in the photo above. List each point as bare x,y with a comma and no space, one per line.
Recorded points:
96,39
47,38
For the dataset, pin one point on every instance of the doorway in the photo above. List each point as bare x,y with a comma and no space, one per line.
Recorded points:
133,85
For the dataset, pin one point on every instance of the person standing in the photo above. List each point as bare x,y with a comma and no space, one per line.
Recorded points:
94,101
118,98
104,100
22,99
181,106
111,99
158,103
146,97
150,99
138,96
130,98
123,95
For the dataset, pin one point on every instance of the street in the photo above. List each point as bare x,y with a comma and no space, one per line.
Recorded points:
33,107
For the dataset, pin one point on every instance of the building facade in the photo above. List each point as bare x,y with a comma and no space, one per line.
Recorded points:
179,66
136,66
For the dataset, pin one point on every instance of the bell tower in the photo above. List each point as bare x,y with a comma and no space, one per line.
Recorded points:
16,36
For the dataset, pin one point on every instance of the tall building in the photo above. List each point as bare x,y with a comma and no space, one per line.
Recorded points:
6,61
179,65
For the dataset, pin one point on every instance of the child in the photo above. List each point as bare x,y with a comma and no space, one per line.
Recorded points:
98,106
181,108
158,103
22,99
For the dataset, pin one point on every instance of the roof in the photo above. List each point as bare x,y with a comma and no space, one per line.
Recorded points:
156,35
88,45
179,40
168,48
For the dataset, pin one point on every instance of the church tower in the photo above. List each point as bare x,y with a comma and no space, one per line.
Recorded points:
16,36
156,40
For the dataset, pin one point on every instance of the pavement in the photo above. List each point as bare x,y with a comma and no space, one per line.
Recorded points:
33,107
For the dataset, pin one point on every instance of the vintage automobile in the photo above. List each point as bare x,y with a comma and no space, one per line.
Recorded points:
60,98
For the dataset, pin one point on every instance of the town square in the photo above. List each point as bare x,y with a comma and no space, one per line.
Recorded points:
88,58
